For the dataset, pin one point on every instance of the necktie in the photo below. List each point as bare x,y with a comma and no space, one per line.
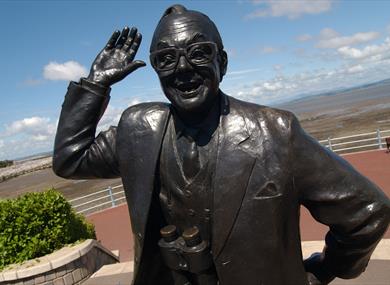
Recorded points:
191,163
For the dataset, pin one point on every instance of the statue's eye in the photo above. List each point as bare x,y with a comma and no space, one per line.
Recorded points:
200,53
165,59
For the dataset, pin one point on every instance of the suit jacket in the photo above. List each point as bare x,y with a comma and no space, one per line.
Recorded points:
267,166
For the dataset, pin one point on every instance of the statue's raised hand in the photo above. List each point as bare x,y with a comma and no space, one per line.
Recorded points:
116,60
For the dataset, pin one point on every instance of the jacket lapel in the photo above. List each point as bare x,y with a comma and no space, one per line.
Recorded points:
233,169
139,145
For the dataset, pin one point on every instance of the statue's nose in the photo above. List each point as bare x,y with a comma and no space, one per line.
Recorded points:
183,64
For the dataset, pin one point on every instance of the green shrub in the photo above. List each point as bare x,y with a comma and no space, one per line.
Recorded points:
36,224
5,163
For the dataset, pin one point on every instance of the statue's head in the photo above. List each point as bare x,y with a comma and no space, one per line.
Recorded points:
187,54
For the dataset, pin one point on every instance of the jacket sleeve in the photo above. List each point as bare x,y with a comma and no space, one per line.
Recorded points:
356,211
77,153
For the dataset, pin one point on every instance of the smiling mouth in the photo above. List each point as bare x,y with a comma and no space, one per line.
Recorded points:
188,89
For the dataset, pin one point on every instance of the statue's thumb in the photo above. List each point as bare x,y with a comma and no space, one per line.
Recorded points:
134,65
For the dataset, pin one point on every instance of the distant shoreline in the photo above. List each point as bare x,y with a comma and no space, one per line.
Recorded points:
25,166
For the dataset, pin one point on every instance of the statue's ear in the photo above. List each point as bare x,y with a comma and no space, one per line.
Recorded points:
223,62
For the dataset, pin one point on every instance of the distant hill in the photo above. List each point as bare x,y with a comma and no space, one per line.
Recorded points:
347,111
340,98
34,156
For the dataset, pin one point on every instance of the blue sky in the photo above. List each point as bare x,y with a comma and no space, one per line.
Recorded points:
278,50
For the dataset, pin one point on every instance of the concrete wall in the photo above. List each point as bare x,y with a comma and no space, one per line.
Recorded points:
68,266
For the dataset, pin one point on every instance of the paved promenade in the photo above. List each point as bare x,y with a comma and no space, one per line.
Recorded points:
113,229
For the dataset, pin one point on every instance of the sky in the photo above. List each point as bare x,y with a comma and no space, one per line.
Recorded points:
277,50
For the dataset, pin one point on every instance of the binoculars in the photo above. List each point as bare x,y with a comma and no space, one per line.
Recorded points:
188,256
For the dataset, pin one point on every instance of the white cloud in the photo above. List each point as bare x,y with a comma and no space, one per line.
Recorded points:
330,39
112,115
328,33
304,38
273,86
355,69
278,67
244,71
39,138
289,9
17,148
134,101
70,70
110,118
36,134
33,126
27,136
32,82
354,66
268,49
347,53
231,52
287,87
370,52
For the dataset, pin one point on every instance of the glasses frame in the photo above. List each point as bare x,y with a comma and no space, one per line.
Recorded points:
180,52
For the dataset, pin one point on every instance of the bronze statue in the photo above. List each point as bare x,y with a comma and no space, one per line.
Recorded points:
214,184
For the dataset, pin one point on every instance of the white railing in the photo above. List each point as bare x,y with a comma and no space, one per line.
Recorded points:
103,199
353,143
113,196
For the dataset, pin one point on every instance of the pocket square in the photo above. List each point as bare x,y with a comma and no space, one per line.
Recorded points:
269,190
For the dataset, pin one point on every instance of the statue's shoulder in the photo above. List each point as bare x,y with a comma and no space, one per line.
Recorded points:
142,111
260,113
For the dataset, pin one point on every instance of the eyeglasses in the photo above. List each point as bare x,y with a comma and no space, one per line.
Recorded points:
196,53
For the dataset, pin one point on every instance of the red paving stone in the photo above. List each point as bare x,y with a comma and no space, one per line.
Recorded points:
113,227
113,230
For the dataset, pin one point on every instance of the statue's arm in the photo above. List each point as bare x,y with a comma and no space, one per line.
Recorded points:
356,211
77,153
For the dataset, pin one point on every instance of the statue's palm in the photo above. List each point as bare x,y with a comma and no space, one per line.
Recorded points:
115,61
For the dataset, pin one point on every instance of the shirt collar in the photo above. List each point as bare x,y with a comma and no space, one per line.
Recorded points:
207,127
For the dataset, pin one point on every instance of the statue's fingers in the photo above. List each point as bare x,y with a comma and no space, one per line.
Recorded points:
130,39
134,47
111,42
123,37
